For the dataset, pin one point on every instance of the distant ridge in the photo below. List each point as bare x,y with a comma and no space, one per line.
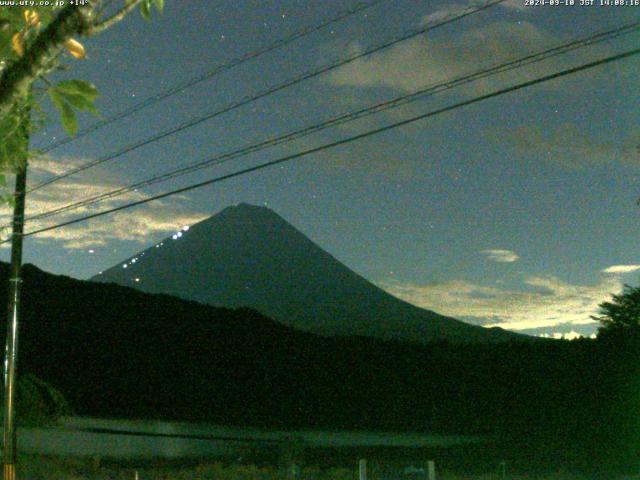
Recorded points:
249,256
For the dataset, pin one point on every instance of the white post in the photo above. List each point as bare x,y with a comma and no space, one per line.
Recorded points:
362,469
431,470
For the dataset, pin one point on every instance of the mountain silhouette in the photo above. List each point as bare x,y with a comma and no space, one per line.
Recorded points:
249,256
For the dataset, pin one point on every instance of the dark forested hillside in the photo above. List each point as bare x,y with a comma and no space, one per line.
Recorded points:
114,351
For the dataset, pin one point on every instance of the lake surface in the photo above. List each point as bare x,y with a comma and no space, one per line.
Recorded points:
79,436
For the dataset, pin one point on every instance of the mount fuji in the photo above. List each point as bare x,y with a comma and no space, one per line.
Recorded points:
249,256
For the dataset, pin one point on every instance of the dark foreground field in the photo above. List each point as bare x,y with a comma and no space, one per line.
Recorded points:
57,468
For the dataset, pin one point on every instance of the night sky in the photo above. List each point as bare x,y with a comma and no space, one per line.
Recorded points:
519,211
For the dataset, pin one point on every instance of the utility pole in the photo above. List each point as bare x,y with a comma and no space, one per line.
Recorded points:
15,284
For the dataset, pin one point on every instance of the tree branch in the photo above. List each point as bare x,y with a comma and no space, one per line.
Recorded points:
72,20
18,77
111,21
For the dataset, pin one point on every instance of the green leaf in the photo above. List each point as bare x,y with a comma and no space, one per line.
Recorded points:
80,103
13,15
68,116
78,87
70,94
145,9
12,143
69,119
159,4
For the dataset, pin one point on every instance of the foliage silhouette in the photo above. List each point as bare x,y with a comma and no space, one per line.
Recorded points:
621,315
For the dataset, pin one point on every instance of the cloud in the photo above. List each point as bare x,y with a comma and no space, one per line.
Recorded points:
47,165
571,335
138,224
373,158
518,5
621,269
444,13
449,11
569,146
544,304
501,256
138,227
568,330
431,59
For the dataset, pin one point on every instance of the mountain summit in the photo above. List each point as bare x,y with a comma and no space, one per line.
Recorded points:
249,256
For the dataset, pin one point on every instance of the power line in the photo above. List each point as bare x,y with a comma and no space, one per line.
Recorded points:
360,136
246,100
180,87
341,119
